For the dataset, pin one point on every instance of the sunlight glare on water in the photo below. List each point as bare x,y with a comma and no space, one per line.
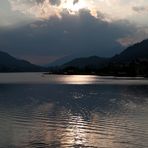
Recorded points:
78,79
40,78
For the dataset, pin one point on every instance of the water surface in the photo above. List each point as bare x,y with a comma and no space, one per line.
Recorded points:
38,111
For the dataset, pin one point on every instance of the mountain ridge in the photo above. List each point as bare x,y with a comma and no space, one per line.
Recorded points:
136,51
133,61
9,63
92,61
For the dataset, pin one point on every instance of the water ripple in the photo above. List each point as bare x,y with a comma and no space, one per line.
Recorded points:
74,116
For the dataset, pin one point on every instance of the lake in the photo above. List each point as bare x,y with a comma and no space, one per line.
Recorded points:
62,111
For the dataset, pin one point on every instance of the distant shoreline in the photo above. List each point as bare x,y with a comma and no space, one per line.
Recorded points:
107,75
93,74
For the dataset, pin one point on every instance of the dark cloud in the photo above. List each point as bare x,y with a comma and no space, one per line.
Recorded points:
75,2
140,8
40,1
80,35
55,2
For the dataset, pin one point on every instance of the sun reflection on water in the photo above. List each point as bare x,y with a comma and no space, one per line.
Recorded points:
78,79
75,132
66,129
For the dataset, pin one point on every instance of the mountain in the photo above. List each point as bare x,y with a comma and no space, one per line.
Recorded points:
133,61
92,62
9,63
60,61
84,65
136,51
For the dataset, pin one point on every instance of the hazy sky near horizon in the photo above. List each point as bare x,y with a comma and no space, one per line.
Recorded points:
45,30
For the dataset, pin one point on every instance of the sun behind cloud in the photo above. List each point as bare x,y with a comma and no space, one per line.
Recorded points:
74,6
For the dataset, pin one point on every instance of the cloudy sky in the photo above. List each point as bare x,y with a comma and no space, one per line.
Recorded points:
42,31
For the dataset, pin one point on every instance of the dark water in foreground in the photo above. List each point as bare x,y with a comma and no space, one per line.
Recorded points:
39,111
